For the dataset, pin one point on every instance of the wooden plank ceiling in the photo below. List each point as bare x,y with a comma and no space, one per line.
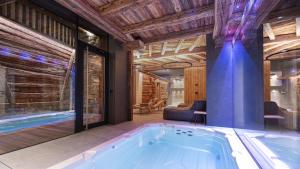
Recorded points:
147,20
282,31
159,31
152,56
165,31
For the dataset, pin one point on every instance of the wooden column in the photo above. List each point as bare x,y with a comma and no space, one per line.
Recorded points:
267,91
194,84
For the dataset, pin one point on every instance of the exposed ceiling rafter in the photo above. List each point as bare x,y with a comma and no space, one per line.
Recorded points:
195,43
178,47
122,5
169,20
185,34
164,48
269,31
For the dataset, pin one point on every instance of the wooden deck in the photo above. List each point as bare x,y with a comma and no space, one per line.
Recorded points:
32,136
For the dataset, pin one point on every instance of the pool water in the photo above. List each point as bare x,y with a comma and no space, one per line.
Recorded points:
16,124
287,149
166,147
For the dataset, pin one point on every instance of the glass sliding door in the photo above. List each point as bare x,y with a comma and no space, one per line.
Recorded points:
94,87
36,77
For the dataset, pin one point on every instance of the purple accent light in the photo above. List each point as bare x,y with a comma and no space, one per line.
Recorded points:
5,52
41,58
25,56
293,70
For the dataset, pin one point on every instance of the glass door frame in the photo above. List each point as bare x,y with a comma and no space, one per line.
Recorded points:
79,85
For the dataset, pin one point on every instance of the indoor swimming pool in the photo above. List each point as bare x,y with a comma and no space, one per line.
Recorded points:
14,124
161,146
274,150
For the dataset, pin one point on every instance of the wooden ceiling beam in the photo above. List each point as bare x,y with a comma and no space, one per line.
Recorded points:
185,34
178,47
177,5
122,5
298,26
84,10
283,14
155,68
200,56
173,19
223,11
271,47
290,54
189,59
164,48
244,19
281,38
283,47
200,50
195,43
150,50
269,31
137,44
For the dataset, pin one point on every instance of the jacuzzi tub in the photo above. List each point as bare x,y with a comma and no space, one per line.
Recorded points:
162,146
274,150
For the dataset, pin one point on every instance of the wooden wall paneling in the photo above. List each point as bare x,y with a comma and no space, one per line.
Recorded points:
38,19
152,88
267,90
26,16
34,83
194,84
33,17
148,88
13,9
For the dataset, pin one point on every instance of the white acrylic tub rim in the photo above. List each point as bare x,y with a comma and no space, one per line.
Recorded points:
270,159
239,152
35,116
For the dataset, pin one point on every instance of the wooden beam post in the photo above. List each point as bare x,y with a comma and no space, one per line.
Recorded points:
178,47
269,31
164,48
177,5
195,43
150,50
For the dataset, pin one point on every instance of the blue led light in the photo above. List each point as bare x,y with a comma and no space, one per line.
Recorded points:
41,58
25,56
5,51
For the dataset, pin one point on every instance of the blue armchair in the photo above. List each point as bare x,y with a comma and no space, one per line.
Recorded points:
184,114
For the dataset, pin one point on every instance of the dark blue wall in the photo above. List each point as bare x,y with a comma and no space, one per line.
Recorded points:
235,84
219,88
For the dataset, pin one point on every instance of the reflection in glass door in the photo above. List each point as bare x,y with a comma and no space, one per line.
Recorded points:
94,72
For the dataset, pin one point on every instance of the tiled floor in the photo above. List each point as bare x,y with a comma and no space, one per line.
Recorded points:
47,154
